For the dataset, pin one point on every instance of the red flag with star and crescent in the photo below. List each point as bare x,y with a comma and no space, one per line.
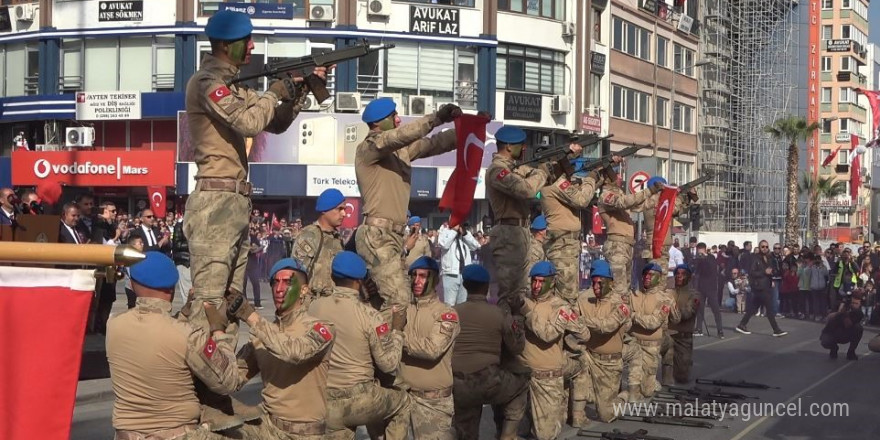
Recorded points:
663,218
873,99
597,221
458,195
855,169
157,200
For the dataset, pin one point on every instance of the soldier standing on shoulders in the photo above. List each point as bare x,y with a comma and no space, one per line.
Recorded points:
486,332
363,339
648,208
417,244
678,351
291,355
538,229
426,367
319,242
383,167
650,315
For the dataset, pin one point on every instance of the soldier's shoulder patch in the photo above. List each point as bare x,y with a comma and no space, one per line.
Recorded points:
449,316
210,348
665,309
564,315
609,198
219,93
382,330
696,301
564,185
323,331
623,309
502,174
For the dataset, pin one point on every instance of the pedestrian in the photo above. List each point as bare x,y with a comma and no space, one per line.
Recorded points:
417,244
844,327
456,245
320,241
180,253
706,271
760,275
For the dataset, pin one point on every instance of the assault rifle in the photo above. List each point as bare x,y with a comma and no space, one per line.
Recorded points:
698,181
690,397
605,161
740,384
555,151
324,59
701,393
673,421
617,434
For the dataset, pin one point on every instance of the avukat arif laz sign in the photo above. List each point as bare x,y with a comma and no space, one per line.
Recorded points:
433,21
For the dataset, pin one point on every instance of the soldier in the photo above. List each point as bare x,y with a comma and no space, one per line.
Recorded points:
538,229
319,242
510,189
426,367
613,206
153,359
548,317
648,208
417,244
363,339
677,357
607,319
486,332
382,164
291,355
650,316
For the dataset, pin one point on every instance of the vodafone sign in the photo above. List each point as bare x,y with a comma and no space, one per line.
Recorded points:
94,168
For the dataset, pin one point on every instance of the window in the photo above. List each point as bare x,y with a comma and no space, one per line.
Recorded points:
597,25
825,95
530,69
466,3
629,38
825,125
845,64
595,92
861,9
846,31
827,32
209,7
662,115
145,64
554,9
823,155
827,4
683,118
844,95
826,64
843,157
846,4
683,60
662,44
629,104
844,126
681,172
72,72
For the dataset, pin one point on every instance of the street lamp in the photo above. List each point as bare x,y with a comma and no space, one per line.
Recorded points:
672,109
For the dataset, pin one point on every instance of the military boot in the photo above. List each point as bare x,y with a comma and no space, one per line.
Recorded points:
578,414
666,376
635,393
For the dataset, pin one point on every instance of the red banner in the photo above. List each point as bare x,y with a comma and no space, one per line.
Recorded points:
873,99
94,168
597,221
352,213
458,196
855,170
663,218
40,368
157,200
830,157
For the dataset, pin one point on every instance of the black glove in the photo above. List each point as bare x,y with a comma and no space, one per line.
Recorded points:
398,318
238,306
217,320
448,112
515,302
286,89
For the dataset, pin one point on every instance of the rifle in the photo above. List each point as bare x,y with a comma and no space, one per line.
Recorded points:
324,59
673,421
740,384
605,161
556,150
691,397
710,393
698,181
616,434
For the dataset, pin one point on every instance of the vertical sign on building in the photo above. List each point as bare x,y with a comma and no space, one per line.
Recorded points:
813,86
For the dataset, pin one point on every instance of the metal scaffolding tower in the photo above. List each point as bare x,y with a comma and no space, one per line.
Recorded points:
750,81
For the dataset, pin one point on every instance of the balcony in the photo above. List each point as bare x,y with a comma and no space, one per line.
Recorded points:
32,85
466,94
163,82
70,84
369,86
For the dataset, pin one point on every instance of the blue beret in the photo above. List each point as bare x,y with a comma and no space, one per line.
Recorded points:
286,263
413,220
229,25
347,264
539,223
329,199
600,268
652,266
654,180
378,109
510,135
475,273
684,267
424,263
542,269
157,271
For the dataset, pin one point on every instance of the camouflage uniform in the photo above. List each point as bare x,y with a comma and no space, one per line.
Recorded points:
363,339
561,203
648,208
486,332
509,192
536,251
315,249
422,248
613,205
680,349
650,318
153,359
383,167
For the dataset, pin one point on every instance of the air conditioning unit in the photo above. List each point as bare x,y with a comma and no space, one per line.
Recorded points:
561,104
379,8
321,13
348,102
568,29
685,23
420,105
79,137
396,97
24,12
311,104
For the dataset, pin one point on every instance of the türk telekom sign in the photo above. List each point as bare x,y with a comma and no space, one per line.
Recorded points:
94,168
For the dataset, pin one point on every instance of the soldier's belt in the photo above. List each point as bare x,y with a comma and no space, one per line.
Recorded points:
228,185
342,393
298,428
434,394
379,222
547,374
607,357
647,343
556,235
524,222
165,434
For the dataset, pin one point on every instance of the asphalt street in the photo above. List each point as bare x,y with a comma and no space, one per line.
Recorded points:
810,385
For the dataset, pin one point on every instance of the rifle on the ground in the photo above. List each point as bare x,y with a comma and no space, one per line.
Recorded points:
691,398
326,59
740,384
617,434
699,392
673,421
555,151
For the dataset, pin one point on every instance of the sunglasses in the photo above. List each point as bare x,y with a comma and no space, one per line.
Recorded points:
765,247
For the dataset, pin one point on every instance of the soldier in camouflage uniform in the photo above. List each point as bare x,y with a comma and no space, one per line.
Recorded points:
153,359
319,242
538,230
678,355
417,244
426,367
487,331
363,339
648,208
650,317
383,167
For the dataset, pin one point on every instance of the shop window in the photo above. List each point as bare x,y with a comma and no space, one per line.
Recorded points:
530,69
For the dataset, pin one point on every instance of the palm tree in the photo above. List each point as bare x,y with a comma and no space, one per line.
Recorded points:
793,129
818,189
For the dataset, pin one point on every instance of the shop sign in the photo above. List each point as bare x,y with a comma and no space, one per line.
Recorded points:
322,177
433,21
94,168
264,10
96,106
120,11
444,173
838,45
522,106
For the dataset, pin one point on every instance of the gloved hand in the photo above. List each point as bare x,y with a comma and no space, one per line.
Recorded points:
398,318
370,286
657,187
448,112
217,320
286,89
238,307
516,303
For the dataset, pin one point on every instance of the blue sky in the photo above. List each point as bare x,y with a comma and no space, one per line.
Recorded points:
873,19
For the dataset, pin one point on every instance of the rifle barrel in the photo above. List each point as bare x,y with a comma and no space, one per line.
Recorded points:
73,254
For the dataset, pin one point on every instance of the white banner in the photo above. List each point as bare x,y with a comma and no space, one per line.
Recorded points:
91,106
322,177
444,173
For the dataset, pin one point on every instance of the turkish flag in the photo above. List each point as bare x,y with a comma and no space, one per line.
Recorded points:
352,213
830,157
40,369
873,99
458,196
663,218
855,169
157,200
597,221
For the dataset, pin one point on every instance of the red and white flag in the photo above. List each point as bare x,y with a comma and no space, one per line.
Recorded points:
44,320
830,157
855,169
157,200
663,218
458,196
352,213
597,221
873,99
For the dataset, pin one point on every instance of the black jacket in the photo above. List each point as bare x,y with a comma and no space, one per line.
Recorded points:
706,269
758,278
179,246
102,230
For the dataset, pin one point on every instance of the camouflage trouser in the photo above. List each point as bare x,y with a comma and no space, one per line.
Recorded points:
642,370
381,249
680,356
620,258
602,384
196,434
264,429
367,404
548,403
216,227
510,247
491,385
563,249
432,418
